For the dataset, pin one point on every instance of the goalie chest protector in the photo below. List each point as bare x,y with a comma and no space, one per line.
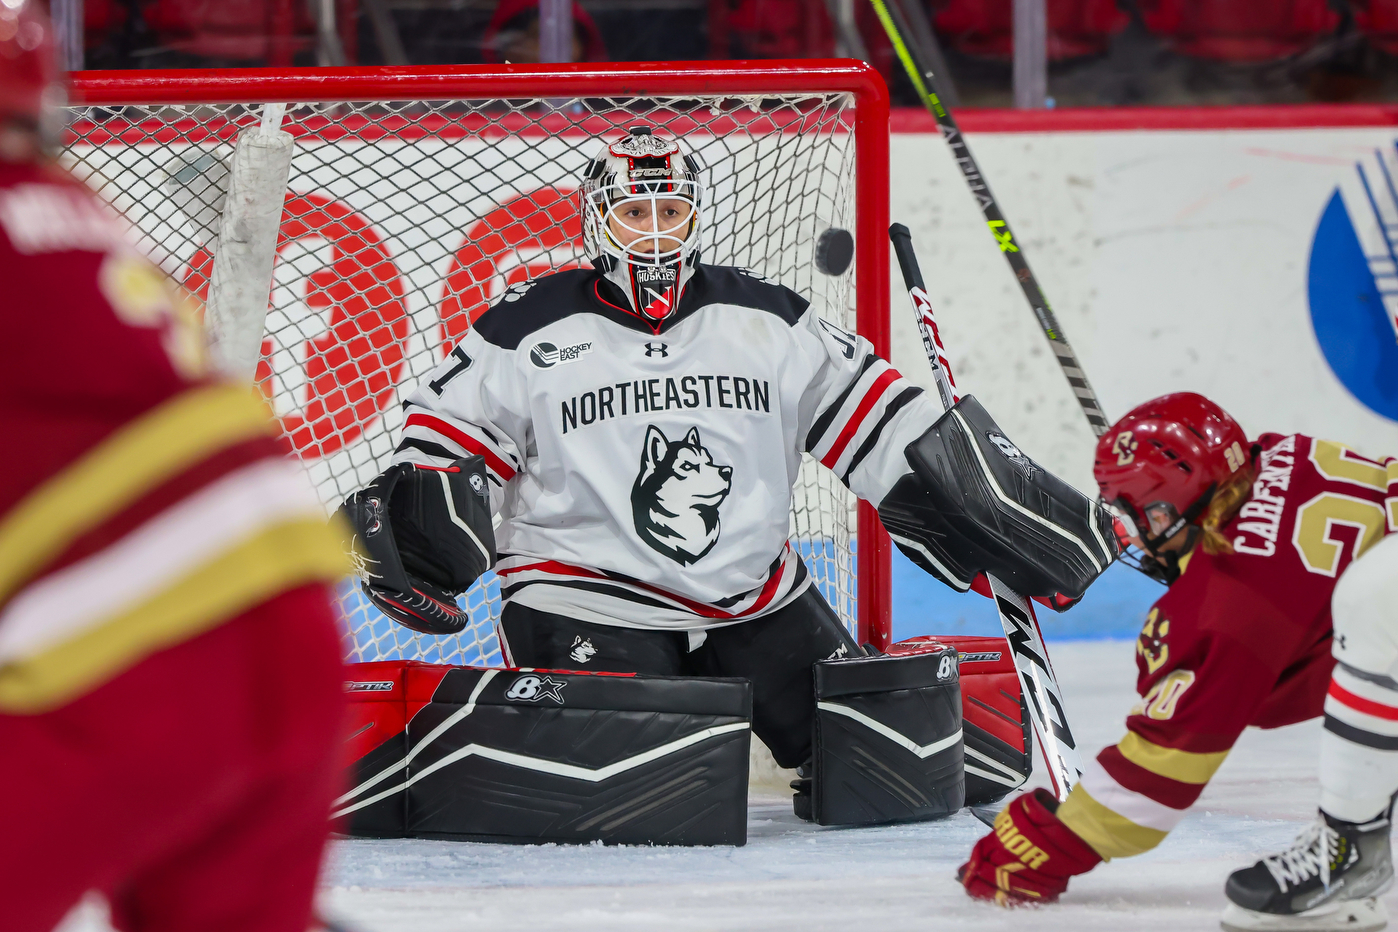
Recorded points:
537,756
888,739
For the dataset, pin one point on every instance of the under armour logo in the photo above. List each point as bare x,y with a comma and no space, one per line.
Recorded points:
657,349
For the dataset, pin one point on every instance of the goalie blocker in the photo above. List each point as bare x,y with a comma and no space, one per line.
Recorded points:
975,504
422,535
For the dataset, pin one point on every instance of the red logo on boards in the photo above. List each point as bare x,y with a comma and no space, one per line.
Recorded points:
534,234
340,380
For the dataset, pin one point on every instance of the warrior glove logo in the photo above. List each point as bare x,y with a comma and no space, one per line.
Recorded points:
531,687
676,496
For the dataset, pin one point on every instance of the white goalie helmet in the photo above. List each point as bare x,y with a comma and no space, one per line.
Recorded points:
641,201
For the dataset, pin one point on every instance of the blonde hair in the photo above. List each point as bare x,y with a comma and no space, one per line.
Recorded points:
1225,504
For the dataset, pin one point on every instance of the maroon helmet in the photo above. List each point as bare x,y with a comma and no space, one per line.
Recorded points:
1160,465
28,63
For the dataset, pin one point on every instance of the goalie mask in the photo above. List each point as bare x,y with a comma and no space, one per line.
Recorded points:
641,200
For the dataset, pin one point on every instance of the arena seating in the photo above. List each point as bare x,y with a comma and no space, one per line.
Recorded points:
1378,21
1241,30
270,31
770,29
986,27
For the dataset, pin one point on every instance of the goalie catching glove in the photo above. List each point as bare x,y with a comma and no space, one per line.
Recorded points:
422,535
974,504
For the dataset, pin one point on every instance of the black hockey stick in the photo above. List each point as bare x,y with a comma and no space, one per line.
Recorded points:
1026,640
915,62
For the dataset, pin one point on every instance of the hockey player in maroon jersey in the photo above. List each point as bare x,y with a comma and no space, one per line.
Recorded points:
169,667
1251,539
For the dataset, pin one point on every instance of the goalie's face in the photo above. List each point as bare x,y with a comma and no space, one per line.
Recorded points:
651,226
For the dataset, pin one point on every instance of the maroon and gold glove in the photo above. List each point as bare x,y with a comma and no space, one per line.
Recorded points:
1029,856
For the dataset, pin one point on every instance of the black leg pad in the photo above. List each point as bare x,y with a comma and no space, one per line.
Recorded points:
888,741
547,756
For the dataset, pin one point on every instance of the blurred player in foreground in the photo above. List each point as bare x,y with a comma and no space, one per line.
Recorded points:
1251,539
169,668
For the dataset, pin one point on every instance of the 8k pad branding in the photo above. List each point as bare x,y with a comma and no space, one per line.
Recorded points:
532,687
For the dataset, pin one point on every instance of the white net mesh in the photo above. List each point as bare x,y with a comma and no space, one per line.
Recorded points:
404,220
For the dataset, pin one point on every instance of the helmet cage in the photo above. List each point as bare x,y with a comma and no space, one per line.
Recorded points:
643,169
1160,521
655,243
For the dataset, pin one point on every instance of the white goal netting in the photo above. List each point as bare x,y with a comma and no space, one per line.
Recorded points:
404,220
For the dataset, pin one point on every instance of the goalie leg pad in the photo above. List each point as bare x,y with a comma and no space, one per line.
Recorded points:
535,756
888,739
974,503
994,717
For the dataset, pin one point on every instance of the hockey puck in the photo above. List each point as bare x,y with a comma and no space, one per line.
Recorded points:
834,251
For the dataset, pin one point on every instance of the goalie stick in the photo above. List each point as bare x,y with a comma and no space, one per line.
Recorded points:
1026,641
914,60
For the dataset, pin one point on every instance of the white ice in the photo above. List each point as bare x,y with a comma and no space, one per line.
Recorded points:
801,877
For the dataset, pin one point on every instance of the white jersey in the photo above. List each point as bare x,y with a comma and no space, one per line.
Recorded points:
643,471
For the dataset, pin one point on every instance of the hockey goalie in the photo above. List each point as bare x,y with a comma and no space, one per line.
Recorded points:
638,427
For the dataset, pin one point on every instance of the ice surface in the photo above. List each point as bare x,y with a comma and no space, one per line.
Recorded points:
801,877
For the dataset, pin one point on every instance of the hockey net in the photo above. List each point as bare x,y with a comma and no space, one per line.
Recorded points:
405,217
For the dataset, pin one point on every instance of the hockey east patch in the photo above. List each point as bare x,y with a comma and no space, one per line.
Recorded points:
676,496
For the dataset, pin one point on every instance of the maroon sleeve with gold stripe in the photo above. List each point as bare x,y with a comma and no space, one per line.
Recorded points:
140,502
1239,639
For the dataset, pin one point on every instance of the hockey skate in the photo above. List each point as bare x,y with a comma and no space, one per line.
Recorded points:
1329,879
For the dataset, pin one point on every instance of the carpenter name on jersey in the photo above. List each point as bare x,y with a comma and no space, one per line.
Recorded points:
643,470
1240,639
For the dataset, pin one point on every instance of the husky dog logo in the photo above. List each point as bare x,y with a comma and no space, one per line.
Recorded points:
582,649
676,496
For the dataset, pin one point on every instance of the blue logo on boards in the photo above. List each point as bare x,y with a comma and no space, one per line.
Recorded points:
1348,283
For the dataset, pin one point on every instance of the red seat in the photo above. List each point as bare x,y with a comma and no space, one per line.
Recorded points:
1378,19
238,30
101,18
1239,30
776,29
986,27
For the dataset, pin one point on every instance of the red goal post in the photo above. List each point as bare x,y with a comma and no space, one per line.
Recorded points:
176,124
